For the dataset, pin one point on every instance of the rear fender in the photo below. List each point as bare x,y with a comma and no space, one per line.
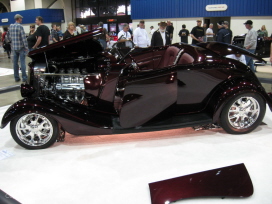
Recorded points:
230,89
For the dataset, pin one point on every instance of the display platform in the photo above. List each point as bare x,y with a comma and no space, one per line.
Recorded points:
116,169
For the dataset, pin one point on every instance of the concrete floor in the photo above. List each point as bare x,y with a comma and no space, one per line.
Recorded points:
263,72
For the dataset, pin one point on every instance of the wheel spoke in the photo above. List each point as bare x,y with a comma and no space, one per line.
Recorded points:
34,129
243,112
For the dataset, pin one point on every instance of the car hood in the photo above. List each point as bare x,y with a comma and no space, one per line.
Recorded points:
227,49
89,36
229,181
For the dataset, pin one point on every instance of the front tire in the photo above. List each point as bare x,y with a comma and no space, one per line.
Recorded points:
34,130
243,113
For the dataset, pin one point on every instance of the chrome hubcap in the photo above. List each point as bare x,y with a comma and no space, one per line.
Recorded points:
34,129
244,112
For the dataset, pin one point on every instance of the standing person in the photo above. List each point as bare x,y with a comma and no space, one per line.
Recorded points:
104,36
161,37
54,33
42,33
226,25
124,34
197,33
60,34
223,35
78,29
152,30
183,34
205,29
263,31
19,47
250,43
6,42
209,33
1,37
170,29
140,36
70,32
31,39
271,54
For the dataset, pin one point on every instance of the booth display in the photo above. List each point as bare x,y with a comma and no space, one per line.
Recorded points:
75,87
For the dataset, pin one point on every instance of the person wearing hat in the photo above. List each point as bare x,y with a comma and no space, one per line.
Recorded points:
19,46
223,35
238,56
226,25
197,32
250,43
161,37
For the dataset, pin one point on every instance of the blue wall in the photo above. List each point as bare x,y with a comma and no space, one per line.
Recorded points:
150,9
49,16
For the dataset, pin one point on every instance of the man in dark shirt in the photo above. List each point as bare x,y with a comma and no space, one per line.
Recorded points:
170,29
183,34
223,35
197,33
42,33
226,25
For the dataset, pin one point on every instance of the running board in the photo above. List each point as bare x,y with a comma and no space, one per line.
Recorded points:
171,123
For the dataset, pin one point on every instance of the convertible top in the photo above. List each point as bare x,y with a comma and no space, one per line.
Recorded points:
224,49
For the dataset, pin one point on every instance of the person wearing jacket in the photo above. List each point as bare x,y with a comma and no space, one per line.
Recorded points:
223,34
161,37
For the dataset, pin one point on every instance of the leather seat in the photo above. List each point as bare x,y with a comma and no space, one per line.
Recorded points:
169,57
186,59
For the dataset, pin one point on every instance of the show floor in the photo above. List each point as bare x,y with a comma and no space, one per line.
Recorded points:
116,169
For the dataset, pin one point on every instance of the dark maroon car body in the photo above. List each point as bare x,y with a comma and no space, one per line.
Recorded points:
88,91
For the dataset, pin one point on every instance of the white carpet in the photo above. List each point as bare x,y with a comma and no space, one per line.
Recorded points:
5,71
116,169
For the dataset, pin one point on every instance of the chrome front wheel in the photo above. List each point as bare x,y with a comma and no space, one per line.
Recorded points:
34,131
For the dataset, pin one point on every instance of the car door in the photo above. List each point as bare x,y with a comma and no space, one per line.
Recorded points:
146,95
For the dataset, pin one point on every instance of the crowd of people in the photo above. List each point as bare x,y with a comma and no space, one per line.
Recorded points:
164,35
14,38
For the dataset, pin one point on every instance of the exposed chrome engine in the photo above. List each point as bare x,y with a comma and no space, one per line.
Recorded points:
65,83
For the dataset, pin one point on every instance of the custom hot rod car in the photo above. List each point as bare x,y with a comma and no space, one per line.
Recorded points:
74,86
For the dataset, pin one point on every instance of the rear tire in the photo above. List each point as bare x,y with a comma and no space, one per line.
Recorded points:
243,113
34,130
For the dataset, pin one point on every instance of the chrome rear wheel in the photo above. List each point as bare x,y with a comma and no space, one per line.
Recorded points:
242,113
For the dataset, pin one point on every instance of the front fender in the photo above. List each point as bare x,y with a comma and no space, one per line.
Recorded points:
232,88
74,118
